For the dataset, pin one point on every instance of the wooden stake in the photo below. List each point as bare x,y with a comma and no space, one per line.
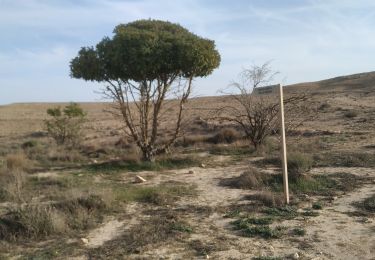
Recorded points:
283,147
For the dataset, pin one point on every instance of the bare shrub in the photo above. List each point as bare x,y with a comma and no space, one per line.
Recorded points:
258,115
268,198
250,179
13,176
226,135
36,221
351,114
16,161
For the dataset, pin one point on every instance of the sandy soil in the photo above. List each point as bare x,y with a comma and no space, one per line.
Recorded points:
334,234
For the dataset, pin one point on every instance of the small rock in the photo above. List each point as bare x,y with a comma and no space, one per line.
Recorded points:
191,172
334,198
139,179
272,248
203,165
295,256
207,257
85,240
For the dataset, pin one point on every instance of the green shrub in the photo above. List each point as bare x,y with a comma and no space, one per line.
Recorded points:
317,205
299,232
369,204
65,126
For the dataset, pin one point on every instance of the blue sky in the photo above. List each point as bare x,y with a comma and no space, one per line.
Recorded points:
306,39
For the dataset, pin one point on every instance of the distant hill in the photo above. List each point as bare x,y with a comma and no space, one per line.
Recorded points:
363,82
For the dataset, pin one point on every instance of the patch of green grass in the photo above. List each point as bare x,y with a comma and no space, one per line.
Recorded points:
344,159
369,204
232,214
298,232
267,258
319,184
182,227
159,195
161,164
317,205
263,231
41,183
231,151
310,213
286,212
242,222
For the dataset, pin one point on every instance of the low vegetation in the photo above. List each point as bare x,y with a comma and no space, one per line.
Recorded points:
162,227
65,125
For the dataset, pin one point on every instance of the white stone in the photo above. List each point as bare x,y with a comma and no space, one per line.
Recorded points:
85,240
203,165
295,256
139,179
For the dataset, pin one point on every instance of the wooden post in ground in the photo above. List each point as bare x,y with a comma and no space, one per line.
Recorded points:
283,147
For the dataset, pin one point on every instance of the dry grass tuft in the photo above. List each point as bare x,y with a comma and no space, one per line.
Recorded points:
250,179
268,198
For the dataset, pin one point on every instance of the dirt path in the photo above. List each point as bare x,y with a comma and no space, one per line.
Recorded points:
334,234
341,236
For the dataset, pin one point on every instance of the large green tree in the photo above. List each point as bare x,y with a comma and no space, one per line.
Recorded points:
145,63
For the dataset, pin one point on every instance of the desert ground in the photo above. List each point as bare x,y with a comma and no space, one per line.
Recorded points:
210,198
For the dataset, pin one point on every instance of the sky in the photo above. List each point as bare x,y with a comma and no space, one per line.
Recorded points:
306,40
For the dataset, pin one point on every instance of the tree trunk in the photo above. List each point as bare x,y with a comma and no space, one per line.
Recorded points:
148,155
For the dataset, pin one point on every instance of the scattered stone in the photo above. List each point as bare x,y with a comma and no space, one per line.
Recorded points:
295,256
203,165
85,240
191,172
334,198
139,179
207,257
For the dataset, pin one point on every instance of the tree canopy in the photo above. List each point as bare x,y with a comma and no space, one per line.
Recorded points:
147,50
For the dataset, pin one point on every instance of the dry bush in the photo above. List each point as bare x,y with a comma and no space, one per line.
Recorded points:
13,177
191,140
31,221
17,161
351,114
75,212
268,198
250,179
226,135
61,154
298,164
